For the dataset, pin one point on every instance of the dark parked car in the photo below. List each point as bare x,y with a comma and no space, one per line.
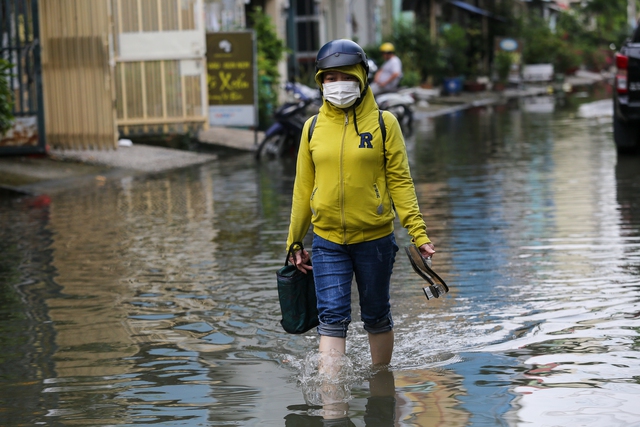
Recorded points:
626,96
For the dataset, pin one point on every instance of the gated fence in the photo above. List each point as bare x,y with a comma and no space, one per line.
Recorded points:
19,44
89,71
77,75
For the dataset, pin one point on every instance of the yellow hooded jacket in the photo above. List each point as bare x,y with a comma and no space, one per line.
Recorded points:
344,186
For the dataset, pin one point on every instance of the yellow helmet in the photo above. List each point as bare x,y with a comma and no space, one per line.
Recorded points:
387,47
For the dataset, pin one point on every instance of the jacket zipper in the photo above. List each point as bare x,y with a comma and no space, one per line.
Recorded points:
313,211
342,213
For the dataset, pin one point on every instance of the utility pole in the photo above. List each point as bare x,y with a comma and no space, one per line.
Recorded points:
433,30
631,13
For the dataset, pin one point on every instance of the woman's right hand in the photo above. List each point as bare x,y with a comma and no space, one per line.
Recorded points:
301,260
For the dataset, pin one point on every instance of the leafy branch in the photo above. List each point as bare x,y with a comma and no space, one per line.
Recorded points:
270,51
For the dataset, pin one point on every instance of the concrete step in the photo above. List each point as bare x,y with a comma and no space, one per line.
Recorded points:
239,139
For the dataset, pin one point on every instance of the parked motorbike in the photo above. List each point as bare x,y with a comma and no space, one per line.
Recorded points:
283,136
399,103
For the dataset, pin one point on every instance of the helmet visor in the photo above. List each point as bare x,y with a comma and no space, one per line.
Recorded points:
339,59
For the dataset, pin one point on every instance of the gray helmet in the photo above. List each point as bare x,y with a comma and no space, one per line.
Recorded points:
339,53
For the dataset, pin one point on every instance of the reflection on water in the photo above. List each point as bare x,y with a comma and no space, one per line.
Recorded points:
152,300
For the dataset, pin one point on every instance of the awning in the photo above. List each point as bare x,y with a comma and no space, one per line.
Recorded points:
473,9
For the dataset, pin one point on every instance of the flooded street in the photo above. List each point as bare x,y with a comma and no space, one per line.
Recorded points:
152,301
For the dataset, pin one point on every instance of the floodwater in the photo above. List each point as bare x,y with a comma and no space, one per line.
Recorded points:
152,301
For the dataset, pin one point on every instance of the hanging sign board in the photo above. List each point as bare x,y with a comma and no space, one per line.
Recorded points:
231,78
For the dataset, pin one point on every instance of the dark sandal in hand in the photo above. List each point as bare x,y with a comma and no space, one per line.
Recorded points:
421,266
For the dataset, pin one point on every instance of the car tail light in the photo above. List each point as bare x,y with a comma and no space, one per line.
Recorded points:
622,63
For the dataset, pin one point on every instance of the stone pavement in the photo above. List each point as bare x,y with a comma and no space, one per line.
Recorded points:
239,139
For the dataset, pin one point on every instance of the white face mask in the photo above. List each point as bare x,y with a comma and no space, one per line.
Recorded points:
341,94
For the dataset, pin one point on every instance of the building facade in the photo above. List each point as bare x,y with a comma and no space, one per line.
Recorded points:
305,25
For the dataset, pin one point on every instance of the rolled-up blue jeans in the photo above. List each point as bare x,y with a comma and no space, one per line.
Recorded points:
334,267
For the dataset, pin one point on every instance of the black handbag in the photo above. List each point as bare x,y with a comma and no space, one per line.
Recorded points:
297,295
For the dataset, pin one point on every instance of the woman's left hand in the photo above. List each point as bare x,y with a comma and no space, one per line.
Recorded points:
427,250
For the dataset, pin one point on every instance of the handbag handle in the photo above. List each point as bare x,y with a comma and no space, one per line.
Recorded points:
291,251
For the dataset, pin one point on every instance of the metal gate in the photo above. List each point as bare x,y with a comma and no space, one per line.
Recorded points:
85,69
20,45
78,76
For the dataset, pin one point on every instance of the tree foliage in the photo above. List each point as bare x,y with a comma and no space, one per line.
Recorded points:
610,17
416,49
453,45
424,58
270,51
582,35
540,45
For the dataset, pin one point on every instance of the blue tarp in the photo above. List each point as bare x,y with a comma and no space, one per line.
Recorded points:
473,9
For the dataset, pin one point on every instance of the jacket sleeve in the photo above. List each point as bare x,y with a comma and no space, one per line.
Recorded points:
400,183
302,189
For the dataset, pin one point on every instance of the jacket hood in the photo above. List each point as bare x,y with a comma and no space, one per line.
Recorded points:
364,105
356,70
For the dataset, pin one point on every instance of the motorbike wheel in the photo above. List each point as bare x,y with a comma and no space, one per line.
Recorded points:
404,116
272,146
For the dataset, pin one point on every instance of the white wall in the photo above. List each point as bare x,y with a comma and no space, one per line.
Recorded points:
224,15
353,19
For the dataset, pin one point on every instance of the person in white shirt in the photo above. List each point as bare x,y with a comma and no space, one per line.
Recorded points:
387,79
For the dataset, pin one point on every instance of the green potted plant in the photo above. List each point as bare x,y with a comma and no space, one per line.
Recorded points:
454,43
502,64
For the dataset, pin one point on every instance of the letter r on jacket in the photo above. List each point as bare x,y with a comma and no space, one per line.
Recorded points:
365,140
